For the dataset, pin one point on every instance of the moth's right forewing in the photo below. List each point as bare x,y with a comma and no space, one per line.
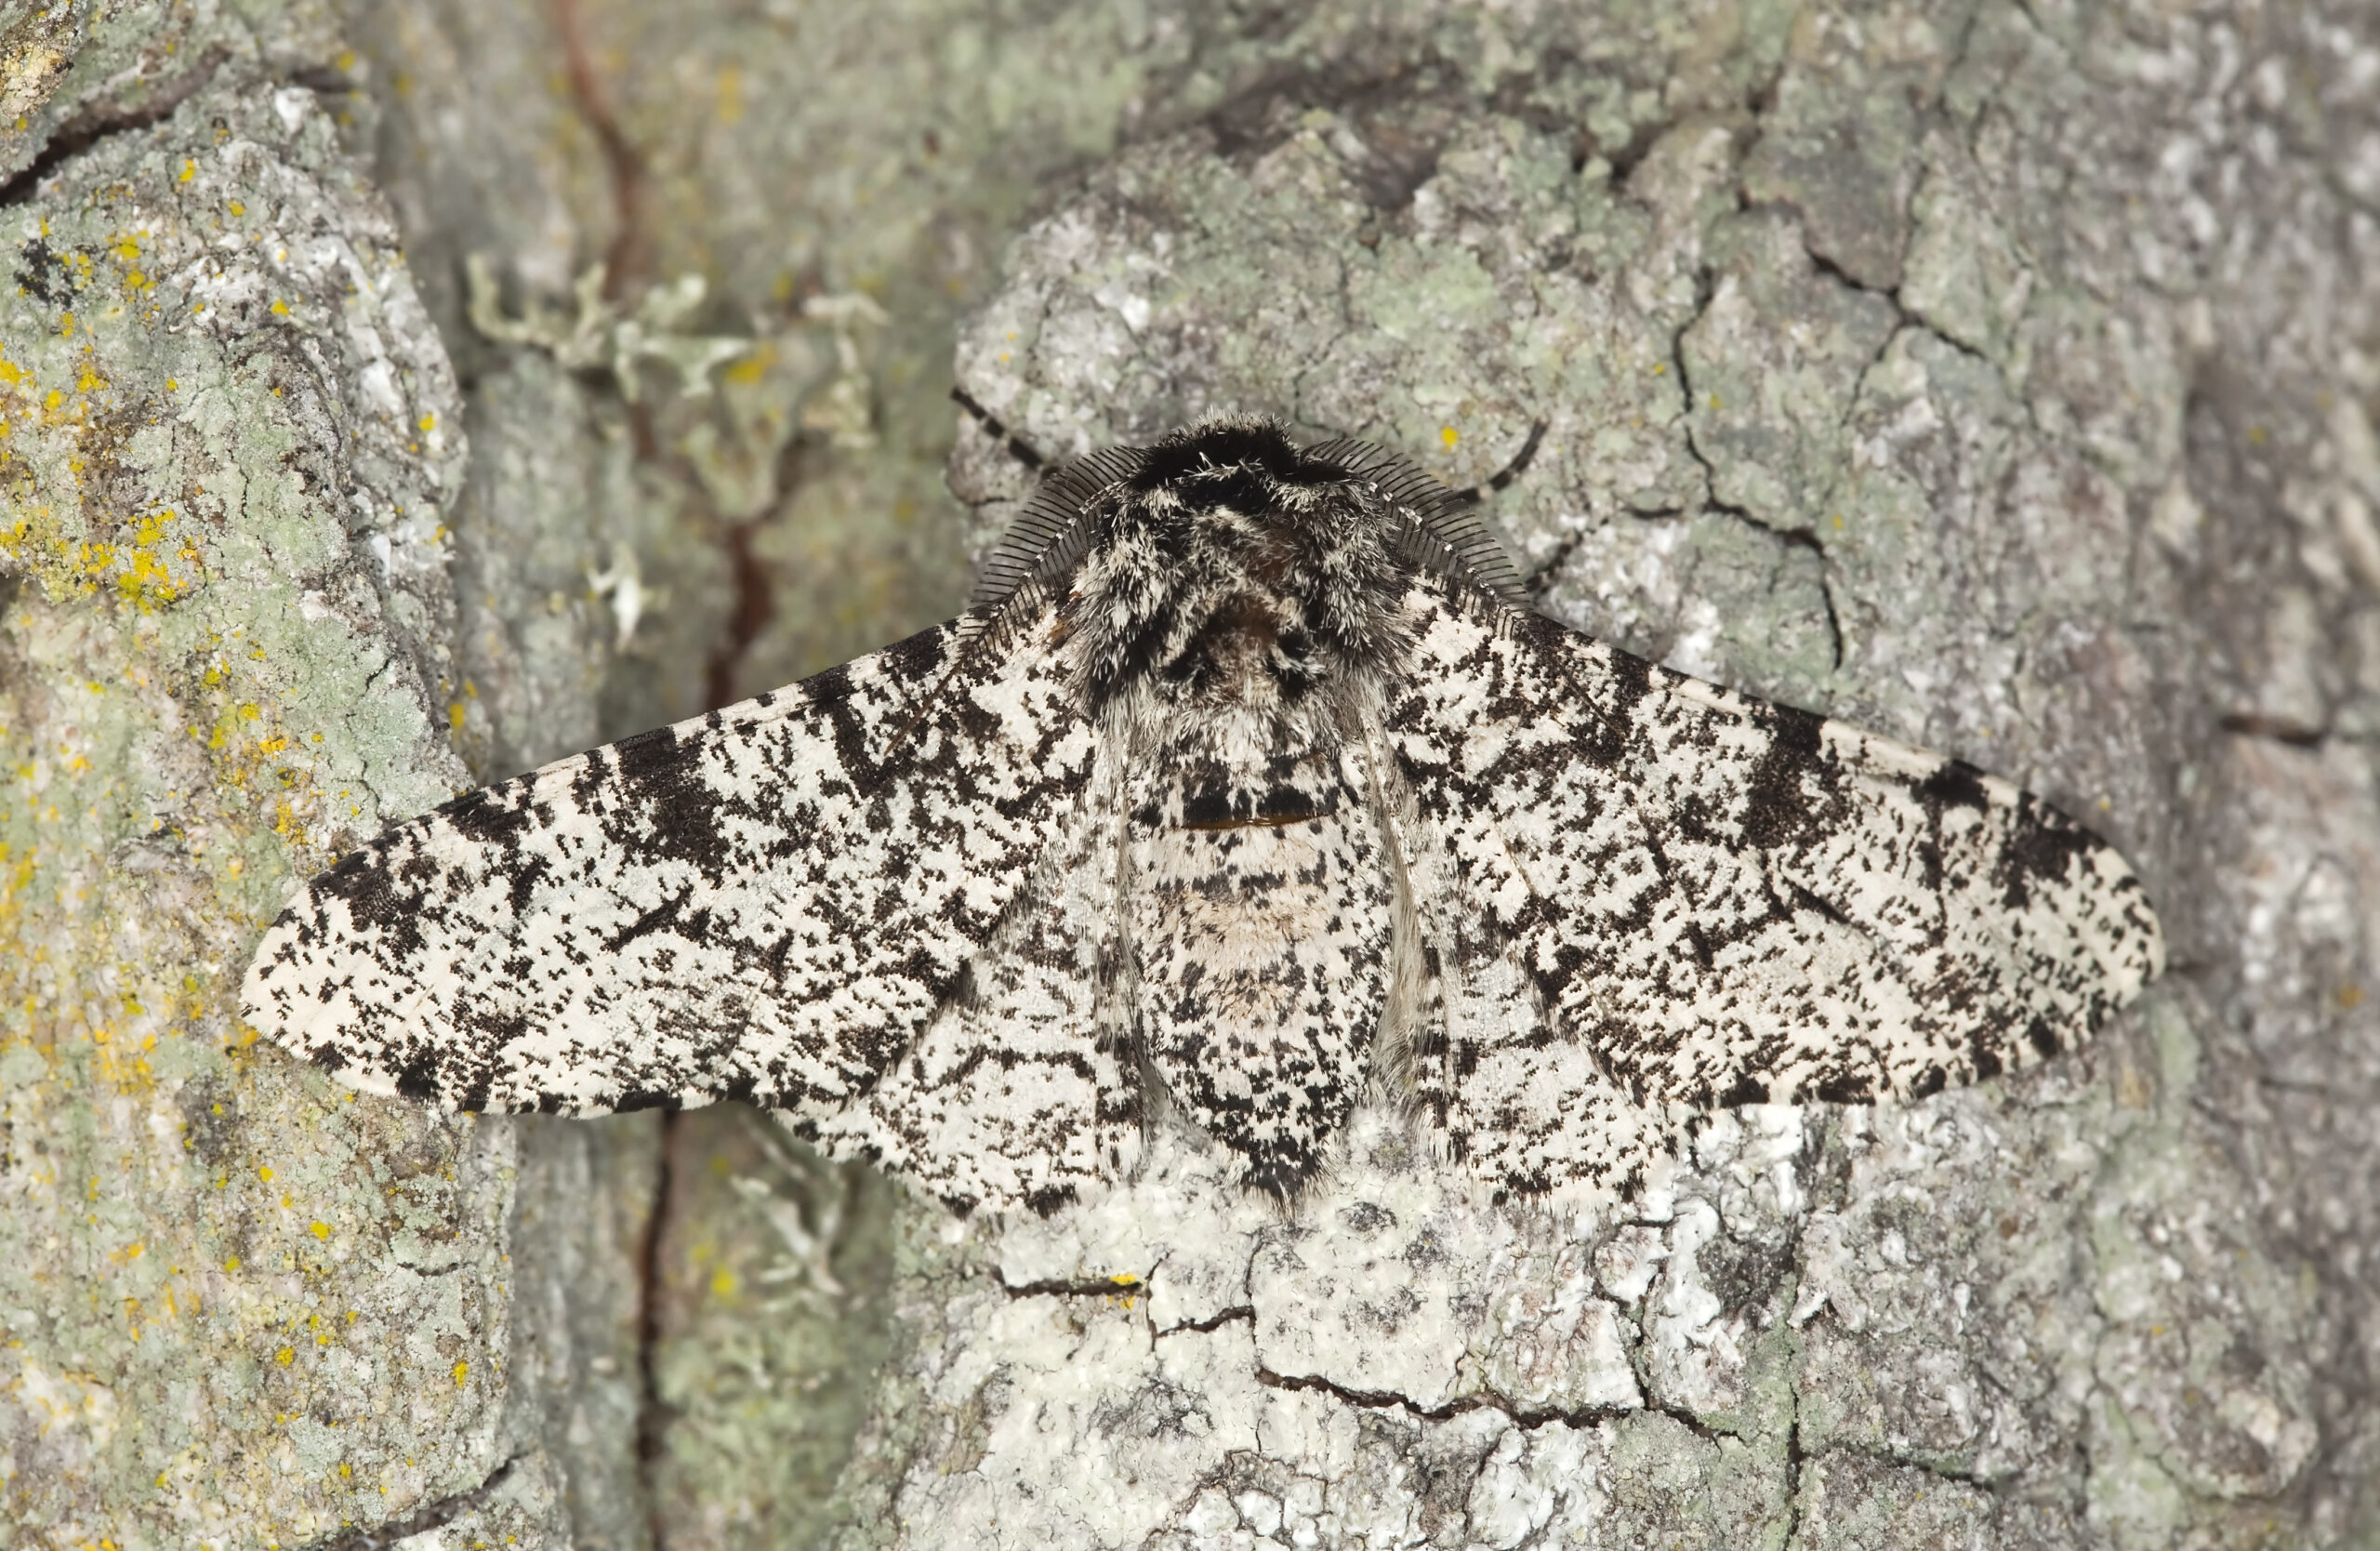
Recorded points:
1713,901
765,903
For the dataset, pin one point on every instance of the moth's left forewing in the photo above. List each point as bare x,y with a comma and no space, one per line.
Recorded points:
1719,901
767,902
1018,1095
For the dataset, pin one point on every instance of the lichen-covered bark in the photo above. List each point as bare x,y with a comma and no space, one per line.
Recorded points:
70,75
2001,376
240,1307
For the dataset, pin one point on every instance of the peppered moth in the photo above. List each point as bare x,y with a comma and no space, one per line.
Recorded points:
1245,784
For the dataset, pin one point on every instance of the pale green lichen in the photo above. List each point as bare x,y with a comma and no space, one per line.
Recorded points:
240,1309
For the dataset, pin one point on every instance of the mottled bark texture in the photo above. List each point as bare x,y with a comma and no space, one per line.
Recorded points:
2001,376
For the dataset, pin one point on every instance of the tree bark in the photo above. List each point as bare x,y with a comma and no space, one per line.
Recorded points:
2002,377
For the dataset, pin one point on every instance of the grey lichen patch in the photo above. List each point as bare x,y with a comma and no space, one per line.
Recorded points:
1949,490
584,1201
772,1279
1939,1321
1114,310
533,537
1838,145
2203,1341
1858,1502
1966,276
240,1307
1772,364
1710,594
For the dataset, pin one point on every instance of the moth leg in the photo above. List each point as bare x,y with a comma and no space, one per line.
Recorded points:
1409,1051
1017,446
1509,472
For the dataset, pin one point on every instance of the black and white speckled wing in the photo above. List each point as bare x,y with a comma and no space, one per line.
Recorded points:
1018,1094
1712,900
766,903
1516,1098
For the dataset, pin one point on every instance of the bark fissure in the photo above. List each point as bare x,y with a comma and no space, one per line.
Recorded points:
421,1520
654,1414
1079,1287
1802,538
1212,1323
629,258
98,122
1388,1400
2274,729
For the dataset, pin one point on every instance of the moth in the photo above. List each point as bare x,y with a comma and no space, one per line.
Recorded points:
1244,786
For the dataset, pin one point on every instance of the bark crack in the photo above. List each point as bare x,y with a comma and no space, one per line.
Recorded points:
97,122
1385,1399
1127,1286
1805,537
421,1520
626,260
628,265
755,606
2275,729
1213,1322
652,1415
1912,1462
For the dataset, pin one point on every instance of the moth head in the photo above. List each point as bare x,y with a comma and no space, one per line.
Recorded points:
1226,572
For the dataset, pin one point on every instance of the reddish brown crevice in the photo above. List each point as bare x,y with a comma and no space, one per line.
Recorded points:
654,1414
630,256
630,259
754,607
627,267
755,588
626,263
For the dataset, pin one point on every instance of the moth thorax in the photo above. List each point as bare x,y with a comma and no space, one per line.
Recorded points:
1240,696
1233,573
